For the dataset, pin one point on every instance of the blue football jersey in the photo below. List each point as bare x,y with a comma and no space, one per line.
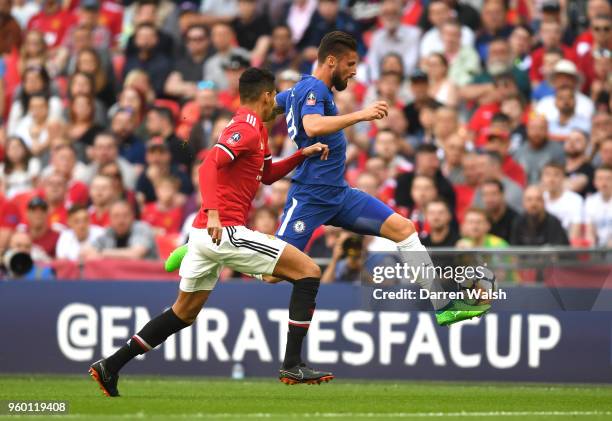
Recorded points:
312,96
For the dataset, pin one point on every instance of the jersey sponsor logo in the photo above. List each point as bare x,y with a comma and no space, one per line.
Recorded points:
234,138
311,99
299,226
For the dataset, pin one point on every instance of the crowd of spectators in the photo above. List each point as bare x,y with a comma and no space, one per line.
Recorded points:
499,131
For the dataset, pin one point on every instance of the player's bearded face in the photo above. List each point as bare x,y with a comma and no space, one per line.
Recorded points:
345,69
338,81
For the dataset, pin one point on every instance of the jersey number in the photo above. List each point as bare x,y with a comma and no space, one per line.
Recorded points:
291,129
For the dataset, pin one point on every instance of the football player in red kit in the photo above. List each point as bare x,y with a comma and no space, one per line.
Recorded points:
229,179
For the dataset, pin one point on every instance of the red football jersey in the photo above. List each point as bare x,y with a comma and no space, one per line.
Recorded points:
245,141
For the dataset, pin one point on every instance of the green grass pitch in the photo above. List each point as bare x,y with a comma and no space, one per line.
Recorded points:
186,398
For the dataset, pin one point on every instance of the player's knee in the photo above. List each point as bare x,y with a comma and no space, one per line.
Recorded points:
187,312
406,228
188,315
270,279
312,270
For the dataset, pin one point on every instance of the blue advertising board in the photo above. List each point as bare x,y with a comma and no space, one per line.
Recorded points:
538,335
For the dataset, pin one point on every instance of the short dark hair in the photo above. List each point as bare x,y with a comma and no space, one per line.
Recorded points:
499,38
504,77
478,211
107,133
564,88
336,43
442,58
554,164
441,201
147,2
198,26
40,94
62,146
76,208
253,82
554,50
603,168
396,75
494,156
427,148
146,25
495,182
431,104
515,97
451,22
500,118
525,27
164,113
282,26
383,131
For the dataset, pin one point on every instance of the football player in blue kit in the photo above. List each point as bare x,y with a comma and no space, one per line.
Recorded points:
319,194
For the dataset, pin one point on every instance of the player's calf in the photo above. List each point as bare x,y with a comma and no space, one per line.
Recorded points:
189,304
305,276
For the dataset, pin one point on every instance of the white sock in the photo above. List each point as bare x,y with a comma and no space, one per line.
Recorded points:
413,242
414,254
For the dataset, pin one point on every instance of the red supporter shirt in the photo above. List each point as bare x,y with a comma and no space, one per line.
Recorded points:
464,196
245,141
9,213
96,219
481,120
229,101
514,171
111,14
53,26
537,59
584,43
58,216
169,220
111,17
47,242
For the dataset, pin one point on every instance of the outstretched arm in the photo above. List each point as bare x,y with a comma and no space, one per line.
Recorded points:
274,171
318,125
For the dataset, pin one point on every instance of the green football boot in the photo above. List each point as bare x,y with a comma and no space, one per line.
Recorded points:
458,310
173,262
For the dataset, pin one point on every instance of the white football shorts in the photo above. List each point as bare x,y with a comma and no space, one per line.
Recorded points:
241,249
